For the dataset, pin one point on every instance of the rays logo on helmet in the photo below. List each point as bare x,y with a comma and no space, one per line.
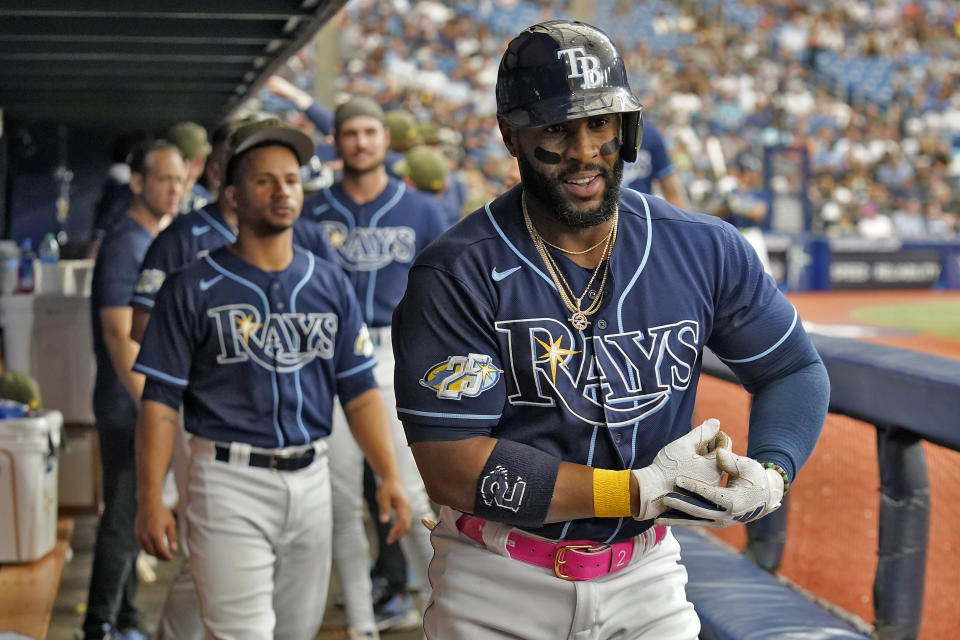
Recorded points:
150,281
460,376
583,66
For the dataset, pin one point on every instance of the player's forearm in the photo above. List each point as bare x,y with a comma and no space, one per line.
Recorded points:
573,495
366,414
117,323
786,417
451,471
123,354
138,326
156,433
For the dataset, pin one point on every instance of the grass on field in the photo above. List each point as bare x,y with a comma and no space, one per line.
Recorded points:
940,318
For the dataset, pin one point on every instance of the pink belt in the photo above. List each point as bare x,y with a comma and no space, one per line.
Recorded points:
570,559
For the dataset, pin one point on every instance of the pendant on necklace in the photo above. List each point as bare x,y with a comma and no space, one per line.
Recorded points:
579,321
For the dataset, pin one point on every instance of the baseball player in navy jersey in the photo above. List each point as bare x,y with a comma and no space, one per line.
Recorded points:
186,238
156,184
255,340
653,163
548,349
377,226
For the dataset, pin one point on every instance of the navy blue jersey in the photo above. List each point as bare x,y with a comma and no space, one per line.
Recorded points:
376,242
254,353
199,231
390,163
452,198
484,348
653,162
110,206
114,278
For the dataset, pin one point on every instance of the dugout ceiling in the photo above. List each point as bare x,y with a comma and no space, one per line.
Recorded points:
145,63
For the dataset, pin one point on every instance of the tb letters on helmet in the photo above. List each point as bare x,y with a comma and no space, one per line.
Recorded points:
563,70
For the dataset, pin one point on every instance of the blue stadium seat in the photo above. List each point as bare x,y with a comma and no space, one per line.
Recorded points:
736,600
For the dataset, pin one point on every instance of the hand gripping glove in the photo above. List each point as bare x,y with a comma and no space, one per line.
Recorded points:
692,456
751,493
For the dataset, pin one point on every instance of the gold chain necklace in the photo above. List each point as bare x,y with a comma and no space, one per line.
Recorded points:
573,253
579,316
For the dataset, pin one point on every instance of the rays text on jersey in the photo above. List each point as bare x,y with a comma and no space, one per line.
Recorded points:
614,379
370,248
281,342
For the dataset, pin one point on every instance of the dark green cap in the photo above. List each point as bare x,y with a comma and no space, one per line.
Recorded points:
191,139
426,167
404,131
357,106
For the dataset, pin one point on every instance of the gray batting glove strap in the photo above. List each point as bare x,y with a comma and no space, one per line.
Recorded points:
692,456
751,493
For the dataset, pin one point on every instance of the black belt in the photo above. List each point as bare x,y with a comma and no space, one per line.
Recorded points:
272,461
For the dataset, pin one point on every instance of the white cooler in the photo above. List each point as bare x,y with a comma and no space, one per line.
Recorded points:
28,486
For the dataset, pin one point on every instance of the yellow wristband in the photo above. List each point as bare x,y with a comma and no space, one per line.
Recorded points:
611,493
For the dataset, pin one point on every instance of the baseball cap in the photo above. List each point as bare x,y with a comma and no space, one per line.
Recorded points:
430,132
190,138
357,106
252,134
404,132
426,167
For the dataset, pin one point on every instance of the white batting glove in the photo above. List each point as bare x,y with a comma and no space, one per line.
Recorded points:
751,493
693,455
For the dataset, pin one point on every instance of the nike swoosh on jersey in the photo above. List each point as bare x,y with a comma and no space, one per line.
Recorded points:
206,284
199,229
500,275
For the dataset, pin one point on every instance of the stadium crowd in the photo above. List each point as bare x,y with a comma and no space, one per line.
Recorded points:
869,90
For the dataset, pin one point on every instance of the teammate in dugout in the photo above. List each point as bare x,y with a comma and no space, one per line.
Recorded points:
548,349
256,339
187,238
377,226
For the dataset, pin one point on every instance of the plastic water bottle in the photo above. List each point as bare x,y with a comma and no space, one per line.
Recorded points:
49,249
49,253
25,277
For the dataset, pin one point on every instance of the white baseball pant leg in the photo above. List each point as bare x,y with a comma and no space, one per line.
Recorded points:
259,545
351,549
476,594
180,618
416,544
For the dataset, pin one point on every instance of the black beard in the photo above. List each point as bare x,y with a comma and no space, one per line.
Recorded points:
266,229
547,191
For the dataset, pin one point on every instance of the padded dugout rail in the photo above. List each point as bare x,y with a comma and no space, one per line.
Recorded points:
736,600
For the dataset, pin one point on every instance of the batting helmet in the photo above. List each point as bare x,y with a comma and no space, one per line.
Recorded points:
563,70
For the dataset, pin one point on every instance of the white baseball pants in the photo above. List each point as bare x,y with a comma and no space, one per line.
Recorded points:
180,618
259,545
416,544
351,550
480,595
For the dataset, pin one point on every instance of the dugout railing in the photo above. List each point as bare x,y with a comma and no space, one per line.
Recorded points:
909,397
